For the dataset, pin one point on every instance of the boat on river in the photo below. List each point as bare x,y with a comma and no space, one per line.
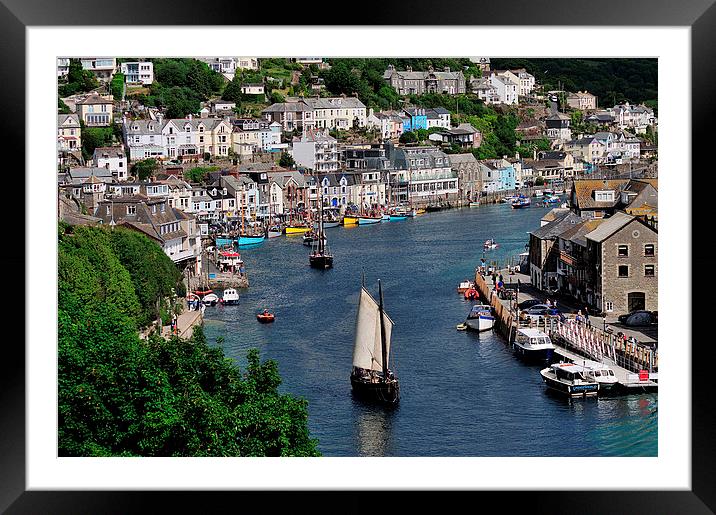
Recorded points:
480,318
274,231
520,202
598,372
265,317
297,229
570,379
350,220
533,344
366,220
370,376
210,299
475,204
249,240
490,244
230,297
465,285
320,256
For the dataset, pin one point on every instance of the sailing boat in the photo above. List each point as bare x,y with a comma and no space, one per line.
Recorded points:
320,256
249,239
371,378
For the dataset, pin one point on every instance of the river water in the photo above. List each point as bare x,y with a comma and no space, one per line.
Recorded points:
462,394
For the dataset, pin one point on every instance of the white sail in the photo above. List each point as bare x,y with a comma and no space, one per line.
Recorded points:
367,352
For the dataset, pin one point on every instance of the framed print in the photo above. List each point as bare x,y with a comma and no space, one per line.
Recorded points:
408,168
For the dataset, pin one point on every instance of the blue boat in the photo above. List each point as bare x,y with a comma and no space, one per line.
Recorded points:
397,218
224,242
365,220
250,241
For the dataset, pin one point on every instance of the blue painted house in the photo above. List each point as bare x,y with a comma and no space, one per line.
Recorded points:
417,119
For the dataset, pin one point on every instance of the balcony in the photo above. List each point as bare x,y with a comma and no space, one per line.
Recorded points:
182,255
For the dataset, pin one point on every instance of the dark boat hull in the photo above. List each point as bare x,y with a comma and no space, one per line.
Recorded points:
582,390
321,261
534,355
384,393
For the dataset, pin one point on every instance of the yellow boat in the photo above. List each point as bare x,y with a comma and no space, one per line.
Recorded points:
297,230
350,220
420,211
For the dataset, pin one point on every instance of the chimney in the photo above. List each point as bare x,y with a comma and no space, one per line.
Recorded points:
534,154
189,116
409,68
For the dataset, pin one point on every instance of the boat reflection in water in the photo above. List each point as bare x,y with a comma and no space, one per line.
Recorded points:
374,430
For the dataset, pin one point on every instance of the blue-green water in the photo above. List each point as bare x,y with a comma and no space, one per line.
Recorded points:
461,394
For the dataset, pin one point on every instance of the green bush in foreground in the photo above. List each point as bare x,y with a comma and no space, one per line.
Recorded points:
119,395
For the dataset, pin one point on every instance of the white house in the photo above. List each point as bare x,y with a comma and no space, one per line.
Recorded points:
506,89
138,72
317,151
102,67
112,158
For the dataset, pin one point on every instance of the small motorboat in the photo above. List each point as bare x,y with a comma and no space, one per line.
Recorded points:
385,218
520,203
475,204
265,317
531,343
274,231
471,294
309,237
297,229
464,286
211,299
599,373
490,244
569,379
480,318
461,327
366,220
230,297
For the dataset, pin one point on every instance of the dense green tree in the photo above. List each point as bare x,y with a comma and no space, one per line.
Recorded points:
276,97
199,173
119,395
79,80
286,160
93,137
62,108
144,169
408,137
117,86
232,92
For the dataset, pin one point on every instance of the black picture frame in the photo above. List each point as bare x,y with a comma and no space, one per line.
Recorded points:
700,16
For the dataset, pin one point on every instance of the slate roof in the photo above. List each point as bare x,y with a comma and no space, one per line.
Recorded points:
557,226
583,188
610,226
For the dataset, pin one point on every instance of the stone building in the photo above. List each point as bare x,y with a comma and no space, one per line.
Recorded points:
622,255
468,175
409,82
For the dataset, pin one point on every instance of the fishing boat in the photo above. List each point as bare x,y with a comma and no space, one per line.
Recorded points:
265,317
228,260
464,286
551,200
537,193
249,240
230,297
370,376
569,379
366,220
320,256
532,343
350,220
297,229
480,318
490,244
420,211
509,199
327,224
475,203
520,202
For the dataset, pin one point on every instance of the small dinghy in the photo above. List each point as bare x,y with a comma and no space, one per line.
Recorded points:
265,317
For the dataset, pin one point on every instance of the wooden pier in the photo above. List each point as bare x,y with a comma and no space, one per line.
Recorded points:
634,365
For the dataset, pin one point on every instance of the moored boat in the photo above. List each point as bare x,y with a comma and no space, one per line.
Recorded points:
480,318
297,229
474,204
274,231
490,244
230,297
385,217
246,240
350,220
520,202
464,286
210,299
370,376
534,344
600,373
320,256
366,220
569,379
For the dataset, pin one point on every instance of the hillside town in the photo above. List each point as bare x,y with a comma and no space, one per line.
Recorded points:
280,147
476,235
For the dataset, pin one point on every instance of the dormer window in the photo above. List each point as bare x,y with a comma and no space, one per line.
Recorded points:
604,195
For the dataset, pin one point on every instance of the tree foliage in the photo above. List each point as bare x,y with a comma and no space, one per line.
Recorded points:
286,160
117,86
144,169
79,80
121,396
93,137
199,173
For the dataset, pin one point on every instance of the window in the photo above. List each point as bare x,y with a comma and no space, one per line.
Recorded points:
623,251
649,249
623,270
649,270
131,210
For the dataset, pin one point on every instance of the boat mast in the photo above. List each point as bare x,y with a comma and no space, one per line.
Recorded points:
382,333
320,227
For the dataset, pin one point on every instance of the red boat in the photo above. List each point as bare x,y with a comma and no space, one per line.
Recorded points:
471,293
265,317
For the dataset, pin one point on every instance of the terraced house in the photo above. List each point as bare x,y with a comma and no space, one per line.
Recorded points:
422,175
170,139
409,82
